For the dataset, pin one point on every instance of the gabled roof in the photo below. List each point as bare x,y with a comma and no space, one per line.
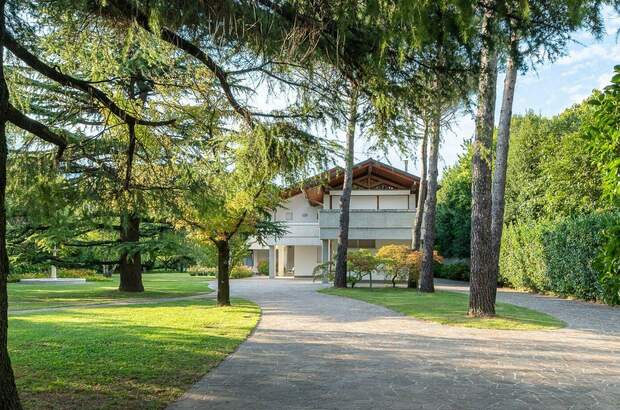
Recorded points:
368,174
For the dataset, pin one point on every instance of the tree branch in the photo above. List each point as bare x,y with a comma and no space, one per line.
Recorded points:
130,10
36,128
35,63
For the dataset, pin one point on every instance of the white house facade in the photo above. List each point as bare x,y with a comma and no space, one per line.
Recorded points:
382,211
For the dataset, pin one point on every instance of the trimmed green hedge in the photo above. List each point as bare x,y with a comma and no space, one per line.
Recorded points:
556,256
454,271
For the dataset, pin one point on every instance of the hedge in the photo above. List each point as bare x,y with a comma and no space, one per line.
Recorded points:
453,271
556,256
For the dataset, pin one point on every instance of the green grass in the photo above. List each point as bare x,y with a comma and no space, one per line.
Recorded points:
156,285
450,308
129,357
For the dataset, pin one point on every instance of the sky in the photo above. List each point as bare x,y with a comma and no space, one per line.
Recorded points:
550,89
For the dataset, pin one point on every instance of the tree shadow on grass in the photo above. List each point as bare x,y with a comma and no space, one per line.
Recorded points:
139,356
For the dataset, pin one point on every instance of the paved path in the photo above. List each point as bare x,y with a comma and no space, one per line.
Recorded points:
315,351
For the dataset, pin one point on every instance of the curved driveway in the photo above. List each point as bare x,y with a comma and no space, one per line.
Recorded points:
315,351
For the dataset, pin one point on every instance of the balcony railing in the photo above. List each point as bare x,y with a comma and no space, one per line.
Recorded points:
369,223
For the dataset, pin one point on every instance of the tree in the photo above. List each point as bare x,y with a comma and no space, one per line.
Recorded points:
8,391
419,215
483,286
551,173
454,208
340,280
219,209
232,196
400,262
442,76
545,27
361,263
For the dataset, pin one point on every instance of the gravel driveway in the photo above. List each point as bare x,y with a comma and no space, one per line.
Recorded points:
316,351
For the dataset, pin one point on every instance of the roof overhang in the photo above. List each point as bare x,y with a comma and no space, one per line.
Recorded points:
368,174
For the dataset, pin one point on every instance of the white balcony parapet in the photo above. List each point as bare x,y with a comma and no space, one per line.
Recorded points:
369,223
299,233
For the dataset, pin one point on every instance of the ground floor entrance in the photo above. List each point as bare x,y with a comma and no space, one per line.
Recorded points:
299,261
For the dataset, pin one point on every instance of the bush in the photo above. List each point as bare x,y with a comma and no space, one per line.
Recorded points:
199,270
263,268
608,265
454,271
556,256
360,263
88,274
241,271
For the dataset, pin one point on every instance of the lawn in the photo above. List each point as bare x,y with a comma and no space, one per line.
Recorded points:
138,356
450,308
156,285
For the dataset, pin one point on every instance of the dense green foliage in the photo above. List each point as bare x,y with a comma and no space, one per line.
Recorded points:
604,141
454,271
556,255
453,223
561,181
240,272
550,172
263,268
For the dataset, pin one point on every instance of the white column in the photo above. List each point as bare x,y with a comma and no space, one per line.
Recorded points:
53,272
325,258
272,262
254,261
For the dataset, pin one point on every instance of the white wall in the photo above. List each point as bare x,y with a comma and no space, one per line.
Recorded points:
306,258
363,202
393,202
301,209
386,201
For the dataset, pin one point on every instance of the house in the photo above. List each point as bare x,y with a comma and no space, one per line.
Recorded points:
382,211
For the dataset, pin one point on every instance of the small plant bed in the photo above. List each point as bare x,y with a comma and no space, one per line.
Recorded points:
449,308
139,356
156,285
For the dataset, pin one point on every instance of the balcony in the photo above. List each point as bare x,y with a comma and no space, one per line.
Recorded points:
299,233
369,223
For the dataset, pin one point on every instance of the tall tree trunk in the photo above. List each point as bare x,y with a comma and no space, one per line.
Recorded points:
483,286
419,212
501,154
130,262
9,399
223,272
430,206
340,279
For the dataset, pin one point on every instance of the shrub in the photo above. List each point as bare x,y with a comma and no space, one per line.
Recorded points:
88,274
361,263
325,269
199,270
400,263
556,256
263,268
241,271
454,271
608,265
